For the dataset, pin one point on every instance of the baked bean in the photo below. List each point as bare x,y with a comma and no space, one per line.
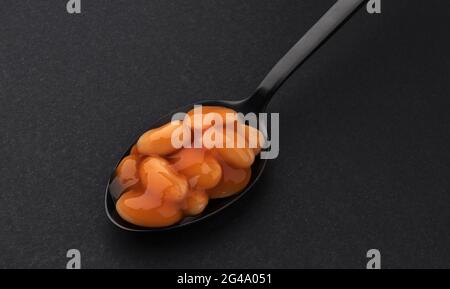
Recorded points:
127,173
233,181
254,138
158,177
195,202
144,209
205,121
201,169
158,141
237,157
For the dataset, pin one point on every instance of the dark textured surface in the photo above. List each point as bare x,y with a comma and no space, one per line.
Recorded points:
365,131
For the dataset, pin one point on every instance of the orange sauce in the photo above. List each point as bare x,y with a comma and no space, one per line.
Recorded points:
163,184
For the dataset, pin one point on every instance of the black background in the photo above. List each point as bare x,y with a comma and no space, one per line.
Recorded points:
365,145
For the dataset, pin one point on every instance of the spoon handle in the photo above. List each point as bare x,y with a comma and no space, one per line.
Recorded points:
326,25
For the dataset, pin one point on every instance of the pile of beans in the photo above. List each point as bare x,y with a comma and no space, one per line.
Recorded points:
162,184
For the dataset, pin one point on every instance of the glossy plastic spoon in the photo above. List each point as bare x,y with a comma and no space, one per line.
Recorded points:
257,102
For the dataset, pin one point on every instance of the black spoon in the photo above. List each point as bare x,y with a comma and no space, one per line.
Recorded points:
258,102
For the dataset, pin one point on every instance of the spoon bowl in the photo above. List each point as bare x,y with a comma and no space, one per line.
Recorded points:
215,205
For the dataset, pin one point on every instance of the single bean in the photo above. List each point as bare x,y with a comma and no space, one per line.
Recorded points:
233,181
201,169
143,209
158,141
205,120
235,156
195,202
127,173
158,177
